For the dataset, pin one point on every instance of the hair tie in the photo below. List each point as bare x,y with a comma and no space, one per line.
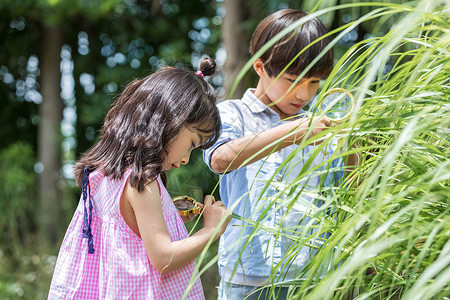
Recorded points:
199,73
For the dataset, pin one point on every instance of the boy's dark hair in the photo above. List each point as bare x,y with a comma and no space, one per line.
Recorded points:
277,57
147,116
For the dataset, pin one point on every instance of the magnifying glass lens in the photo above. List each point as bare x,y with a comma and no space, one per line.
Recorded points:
337,105
183,204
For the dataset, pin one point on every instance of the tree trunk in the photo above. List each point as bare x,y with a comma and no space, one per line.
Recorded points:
236,45
49,137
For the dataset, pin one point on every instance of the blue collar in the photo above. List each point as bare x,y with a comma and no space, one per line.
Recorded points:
254,104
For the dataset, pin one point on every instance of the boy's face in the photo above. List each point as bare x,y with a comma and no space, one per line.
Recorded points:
281,96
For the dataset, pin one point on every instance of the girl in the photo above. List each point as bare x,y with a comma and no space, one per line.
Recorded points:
126,239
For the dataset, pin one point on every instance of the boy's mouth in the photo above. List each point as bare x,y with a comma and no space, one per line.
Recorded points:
297,106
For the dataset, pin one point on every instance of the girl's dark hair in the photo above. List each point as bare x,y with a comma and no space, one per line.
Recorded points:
277,57
147,116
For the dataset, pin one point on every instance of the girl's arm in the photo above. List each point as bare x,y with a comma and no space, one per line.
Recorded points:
164,254
234,153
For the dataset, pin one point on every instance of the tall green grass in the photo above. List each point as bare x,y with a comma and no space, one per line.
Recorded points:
390,222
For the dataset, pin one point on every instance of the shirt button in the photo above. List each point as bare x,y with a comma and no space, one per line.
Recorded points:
278,178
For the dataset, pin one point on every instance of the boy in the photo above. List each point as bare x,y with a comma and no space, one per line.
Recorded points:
268,120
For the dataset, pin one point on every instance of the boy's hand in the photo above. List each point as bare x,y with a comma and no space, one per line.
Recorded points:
318,125
213,214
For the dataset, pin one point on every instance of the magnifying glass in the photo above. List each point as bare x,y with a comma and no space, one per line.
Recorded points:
186,205
338,104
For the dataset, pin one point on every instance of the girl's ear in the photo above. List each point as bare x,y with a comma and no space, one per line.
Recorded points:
258,65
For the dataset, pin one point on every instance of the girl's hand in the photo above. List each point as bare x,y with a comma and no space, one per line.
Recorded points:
190,217
215,216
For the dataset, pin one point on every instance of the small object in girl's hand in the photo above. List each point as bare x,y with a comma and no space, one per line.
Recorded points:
186,205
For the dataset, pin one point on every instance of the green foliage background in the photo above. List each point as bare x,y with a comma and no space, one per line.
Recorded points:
390,232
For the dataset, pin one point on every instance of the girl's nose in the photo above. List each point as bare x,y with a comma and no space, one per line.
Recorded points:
185,159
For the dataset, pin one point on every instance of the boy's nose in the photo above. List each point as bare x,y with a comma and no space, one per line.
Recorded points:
302,93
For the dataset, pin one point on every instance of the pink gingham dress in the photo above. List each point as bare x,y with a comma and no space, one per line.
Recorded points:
119,268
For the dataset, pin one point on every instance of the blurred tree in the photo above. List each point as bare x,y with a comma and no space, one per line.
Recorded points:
235,39
49,141
45,21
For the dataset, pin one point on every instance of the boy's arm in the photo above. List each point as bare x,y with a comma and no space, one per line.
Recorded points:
232,155
353,160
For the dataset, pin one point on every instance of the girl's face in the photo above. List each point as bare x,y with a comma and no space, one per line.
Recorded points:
179,150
